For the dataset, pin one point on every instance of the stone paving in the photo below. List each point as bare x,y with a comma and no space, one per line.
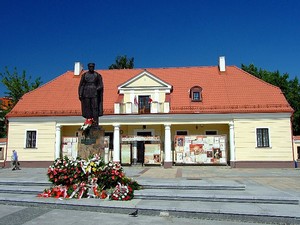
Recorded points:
270,184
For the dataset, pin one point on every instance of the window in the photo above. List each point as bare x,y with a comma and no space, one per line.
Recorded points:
111,139
31,139
211,132
196,94
181,132
2,153
144,104
262,137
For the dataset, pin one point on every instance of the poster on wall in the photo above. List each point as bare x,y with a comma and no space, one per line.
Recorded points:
152,154
126,153
70,147
200,149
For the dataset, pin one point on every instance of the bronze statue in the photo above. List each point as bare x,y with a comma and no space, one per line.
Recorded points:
90,93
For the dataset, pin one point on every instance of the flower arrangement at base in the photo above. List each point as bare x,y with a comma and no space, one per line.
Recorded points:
90,178
87,126
122,193
111,175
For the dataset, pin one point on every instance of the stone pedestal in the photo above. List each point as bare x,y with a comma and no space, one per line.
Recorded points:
91,143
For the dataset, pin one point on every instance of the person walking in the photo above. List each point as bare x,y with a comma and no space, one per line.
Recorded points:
16,163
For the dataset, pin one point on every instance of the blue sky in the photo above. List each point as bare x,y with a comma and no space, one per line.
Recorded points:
45,38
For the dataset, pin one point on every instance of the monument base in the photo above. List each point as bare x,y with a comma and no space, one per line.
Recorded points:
91,142
168,165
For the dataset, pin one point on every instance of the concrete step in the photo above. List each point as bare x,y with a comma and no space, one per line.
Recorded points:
170,194
24,183
185,184
212,196
243,212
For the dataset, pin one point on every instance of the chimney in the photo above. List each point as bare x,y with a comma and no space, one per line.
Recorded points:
222,65
78,68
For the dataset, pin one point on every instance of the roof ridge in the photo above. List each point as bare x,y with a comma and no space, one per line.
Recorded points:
171,67
249,74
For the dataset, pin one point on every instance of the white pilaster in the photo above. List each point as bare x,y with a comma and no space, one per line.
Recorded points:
168,151
231,142
134,149
57,141
116,154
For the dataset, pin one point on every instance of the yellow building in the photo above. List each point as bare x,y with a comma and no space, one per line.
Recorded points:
206,115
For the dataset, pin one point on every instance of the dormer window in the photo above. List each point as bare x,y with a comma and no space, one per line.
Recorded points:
196,94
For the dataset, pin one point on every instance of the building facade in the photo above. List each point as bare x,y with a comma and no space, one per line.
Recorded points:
216,115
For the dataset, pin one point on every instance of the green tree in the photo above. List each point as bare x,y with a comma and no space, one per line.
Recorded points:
17,85
2,122
122,62
290,89
293,97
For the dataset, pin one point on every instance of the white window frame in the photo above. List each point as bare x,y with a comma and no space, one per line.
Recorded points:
196,89
269,137
36,138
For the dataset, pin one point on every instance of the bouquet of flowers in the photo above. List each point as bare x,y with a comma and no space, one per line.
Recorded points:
66,172
111,175
89,178
122,192
87,126
93,166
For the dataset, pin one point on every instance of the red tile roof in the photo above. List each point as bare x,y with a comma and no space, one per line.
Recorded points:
233,91
3,140
296,138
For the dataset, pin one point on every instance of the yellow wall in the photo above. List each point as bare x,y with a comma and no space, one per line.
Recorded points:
245,138
45,150
280,140
144,81
130,130
69,131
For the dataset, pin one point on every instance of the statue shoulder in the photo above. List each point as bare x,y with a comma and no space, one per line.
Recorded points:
98,74
83,75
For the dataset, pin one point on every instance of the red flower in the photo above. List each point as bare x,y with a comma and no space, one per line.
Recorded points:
89,121
103,194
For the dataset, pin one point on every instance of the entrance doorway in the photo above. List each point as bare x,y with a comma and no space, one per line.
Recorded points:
141,146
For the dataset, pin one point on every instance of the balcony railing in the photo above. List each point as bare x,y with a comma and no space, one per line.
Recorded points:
130,108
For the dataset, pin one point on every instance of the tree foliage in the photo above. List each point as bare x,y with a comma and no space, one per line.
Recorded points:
122,62
2,122
290,89
17,85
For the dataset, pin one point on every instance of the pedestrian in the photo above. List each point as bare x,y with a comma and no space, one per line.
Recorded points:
16,163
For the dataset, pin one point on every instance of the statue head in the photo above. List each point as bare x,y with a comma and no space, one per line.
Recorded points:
91,67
